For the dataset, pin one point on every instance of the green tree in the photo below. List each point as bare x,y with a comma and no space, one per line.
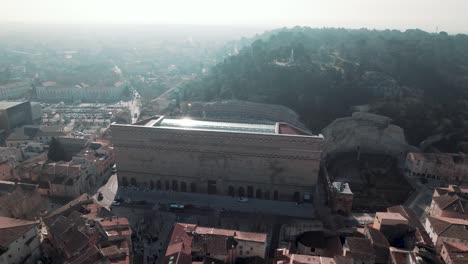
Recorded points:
56,150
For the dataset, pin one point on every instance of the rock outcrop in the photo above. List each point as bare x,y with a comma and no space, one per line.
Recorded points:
364,133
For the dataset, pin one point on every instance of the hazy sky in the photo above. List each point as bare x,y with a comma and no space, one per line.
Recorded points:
447,15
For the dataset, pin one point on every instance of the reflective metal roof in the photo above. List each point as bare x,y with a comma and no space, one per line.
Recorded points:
216,126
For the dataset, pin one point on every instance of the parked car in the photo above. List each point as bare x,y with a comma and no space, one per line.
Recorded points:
176,206
242,200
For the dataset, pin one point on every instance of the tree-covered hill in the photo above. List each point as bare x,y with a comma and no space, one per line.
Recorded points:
417,78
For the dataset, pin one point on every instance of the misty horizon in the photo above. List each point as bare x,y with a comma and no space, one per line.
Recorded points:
430,16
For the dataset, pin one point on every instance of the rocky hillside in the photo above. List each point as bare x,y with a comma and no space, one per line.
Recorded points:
418,79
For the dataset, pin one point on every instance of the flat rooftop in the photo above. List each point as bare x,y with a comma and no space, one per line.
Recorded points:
216,126
6,105
202,125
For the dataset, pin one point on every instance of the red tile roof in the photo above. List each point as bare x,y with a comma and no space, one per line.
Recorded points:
445,200
457,252
449,227
11,229
180,236
359,245
246,236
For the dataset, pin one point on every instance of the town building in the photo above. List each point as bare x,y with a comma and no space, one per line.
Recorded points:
14,114
451,189
101,160
34,133
450,205
190,243
276,161
444,229
84,232
283,256
15,90
68,179
454,253
401,256
360,249
19,241
342,198
50,92
449,201
379,244
318,243
451,167
383,219
416,234
20,200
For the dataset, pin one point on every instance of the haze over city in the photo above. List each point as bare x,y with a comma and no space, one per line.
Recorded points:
449,15
233,132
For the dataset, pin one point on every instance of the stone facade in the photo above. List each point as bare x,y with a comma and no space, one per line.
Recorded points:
262,165
342,198
451,167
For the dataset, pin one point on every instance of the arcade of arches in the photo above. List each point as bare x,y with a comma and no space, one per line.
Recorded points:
238,191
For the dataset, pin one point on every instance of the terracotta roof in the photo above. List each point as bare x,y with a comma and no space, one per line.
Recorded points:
91,255
359,245
390,215
180,235
343,260
247,236
450,189
445,200
457,252
449,227
376,237
74,241
114,222
11,229
84,198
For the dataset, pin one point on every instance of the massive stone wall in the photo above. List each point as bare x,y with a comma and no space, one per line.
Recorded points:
366,133
229,161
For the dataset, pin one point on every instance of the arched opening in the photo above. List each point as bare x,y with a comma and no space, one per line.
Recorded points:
193,187
297,196
151,184
267,195
231,191
175,186
241,192
183,187
124,182
250,191
133,182
167,185
258,194
275,195
158,185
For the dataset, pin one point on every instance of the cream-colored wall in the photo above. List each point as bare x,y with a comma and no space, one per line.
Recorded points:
250,249
18,250
285,163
